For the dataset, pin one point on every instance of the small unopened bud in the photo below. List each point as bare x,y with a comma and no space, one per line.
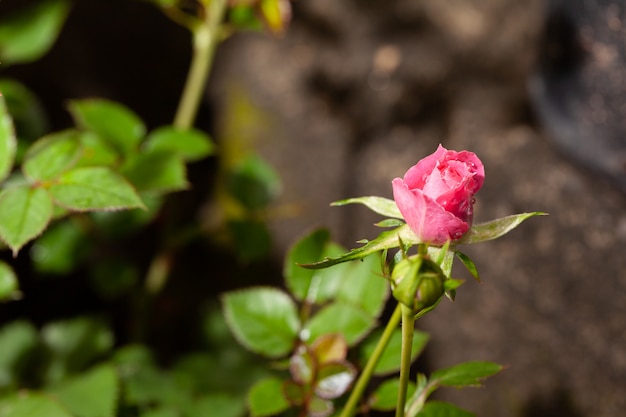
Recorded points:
417,282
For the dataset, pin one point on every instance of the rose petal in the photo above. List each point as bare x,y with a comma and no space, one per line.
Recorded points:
430,222
417,175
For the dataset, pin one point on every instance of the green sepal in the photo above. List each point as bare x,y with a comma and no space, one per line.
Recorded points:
380,205
469,264
496,228
386,240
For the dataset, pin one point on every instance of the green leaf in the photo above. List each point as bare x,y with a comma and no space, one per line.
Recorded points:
157,172
74,344
111,121
264,320
390,360
28,34
253,183
8,283
18,340
469,264
385,397
8,143
251,238
26,111
266,398
94,188
24,214
364,285
191,144
468,374
91,394
496,228
319,407
379,205
218,404
96,151
30,404
340,317
60,248
306,250
442,409
51,155
386,240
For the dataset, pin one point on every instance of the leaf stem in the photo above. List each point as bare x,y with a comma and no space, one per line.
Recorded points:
205,40
408,324
368,371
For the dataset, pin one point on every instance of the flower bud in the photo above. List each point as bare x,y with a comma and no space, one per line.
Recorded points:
417,282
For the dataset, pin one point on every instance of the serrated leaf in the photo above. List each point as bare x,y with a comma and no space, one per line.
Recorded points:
264,320
8,143
191,144
386,240
31,404
385,397
24,214
380,205
96,151
94,188
340,317
468,374
51,155
29,33
496,228
157,172
442,409
306,250
390,360
8,285
469,264
110,120
266,398
91,394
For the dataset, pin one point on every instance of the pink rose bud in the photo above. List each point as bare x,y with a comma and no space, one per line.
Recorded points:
436,196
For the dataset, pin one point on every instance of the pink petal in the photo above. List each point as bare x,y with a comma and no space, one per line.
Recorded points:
427,219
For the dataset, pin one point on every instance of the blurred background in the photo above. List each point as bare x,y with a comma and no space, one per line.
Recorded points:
349,97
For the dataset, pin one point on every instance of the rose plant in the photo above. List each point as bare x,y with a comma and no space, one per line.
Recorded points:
432,211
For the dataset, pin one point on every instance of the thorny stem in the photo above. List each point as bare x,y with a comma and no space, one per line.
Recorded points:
408,323
366,375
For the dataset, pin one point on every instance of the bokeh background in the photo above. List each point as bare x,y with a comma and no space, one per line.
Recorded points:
349,97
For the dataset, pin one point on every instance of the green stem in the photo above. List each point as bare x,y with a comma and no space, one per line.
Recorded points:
205,40
366,375
408,324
